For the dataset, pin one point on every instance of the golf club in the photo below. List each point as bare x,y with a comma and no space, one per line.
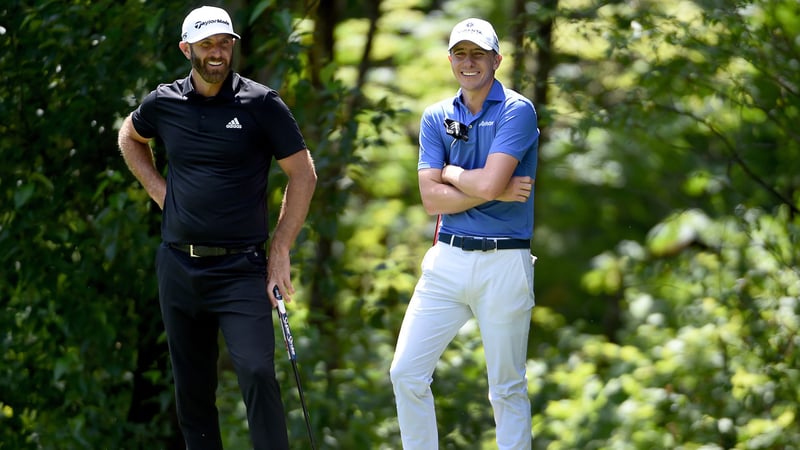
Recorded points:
289,340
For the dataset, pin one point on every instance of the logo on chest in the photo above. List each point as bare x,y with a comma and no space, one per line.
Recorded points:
234,124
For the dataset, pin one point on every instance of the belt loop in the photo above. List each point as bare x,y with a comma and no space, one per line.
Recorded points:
452,238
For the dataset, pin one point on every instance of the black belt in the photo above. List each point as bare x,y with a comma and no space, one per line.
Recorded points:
483,244
199,251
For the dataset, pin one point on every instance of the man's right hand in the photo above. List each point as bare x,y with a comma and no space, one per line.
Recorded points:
518,189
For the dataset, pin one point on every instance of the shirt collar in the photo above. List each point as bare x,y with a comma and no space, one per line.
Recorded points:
496,94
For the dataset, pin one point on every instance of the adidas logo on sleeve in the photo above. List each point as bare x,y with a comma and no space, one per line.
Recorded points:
234,123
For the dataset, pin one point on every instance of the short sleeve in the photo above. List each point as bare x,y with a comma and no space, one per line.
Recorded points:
281,128
143,118
518,129
431,146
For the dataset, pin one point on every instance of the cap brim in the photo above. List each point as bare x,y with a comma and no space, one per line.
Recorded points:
211,32
479,44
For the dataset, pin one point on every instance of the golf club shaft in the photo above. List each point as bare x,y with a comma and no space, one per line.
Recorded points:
289,340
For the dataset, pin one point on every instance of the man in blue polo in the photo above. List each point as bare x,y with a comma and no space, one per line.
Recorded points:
220,132
477,165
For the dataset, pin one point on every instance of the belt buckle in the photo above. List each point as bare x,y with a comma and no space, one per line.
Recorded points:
485,248
191,252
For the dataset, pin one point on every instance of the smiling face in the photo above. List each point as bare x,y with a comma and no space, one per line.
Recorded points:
473,66
211,57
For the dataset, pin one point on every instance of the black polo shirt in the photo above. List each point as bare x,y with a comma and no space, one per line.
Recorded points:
219,151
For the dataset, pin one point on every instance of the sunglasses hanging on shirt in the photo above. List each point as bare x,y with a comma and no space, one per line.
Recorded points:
456,129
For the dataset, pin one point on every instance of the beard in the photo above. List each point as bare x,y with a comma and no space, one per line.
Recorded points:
211,74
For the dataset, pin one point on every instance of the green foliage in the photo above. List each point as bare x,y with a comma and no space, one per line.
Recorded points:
672,113
707,354
664,106
76,252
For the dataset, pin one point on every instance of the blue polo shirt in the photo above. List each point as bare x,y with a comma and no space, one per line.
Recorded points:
219,150
507,123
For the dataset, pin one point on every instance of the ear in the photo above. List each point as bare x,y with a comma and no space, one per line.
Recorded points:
498,57
184,46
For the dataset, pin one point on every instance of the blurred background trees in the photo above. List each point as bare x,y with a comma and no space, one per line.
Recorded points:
666,219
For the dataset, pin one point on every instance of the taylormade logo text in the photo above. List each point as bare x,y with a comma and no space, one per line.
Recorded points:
201,23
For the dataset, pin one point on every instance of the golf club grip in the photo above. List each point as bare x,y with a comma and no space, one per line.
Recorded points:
283,317
281,305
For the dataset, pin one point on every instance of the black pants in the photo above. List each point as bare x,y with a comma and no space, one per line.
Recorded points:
199,297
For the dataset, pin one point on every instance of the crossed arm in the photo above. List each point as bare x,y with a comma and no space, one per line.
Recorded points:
453,189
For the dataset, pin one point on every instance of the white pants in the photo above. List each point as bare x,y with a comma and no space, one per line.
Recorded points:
497,289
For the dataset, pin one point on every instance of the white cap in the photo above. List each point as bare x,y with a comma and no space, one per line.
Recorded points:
477,31
204,22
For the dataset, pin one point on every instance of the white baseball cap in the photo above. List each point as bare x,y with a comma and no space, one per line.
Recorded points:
477,31
204,22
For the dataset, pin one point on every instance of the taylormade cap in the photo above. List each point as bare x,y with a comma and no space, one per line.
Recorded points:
204,22
477,31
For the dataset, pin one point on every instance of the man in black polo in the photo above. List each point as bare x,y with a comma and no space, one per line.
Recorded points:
220,131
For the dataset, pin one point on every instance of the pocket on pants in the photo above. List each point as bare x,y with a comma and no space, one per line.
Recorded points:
528,262
258,259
